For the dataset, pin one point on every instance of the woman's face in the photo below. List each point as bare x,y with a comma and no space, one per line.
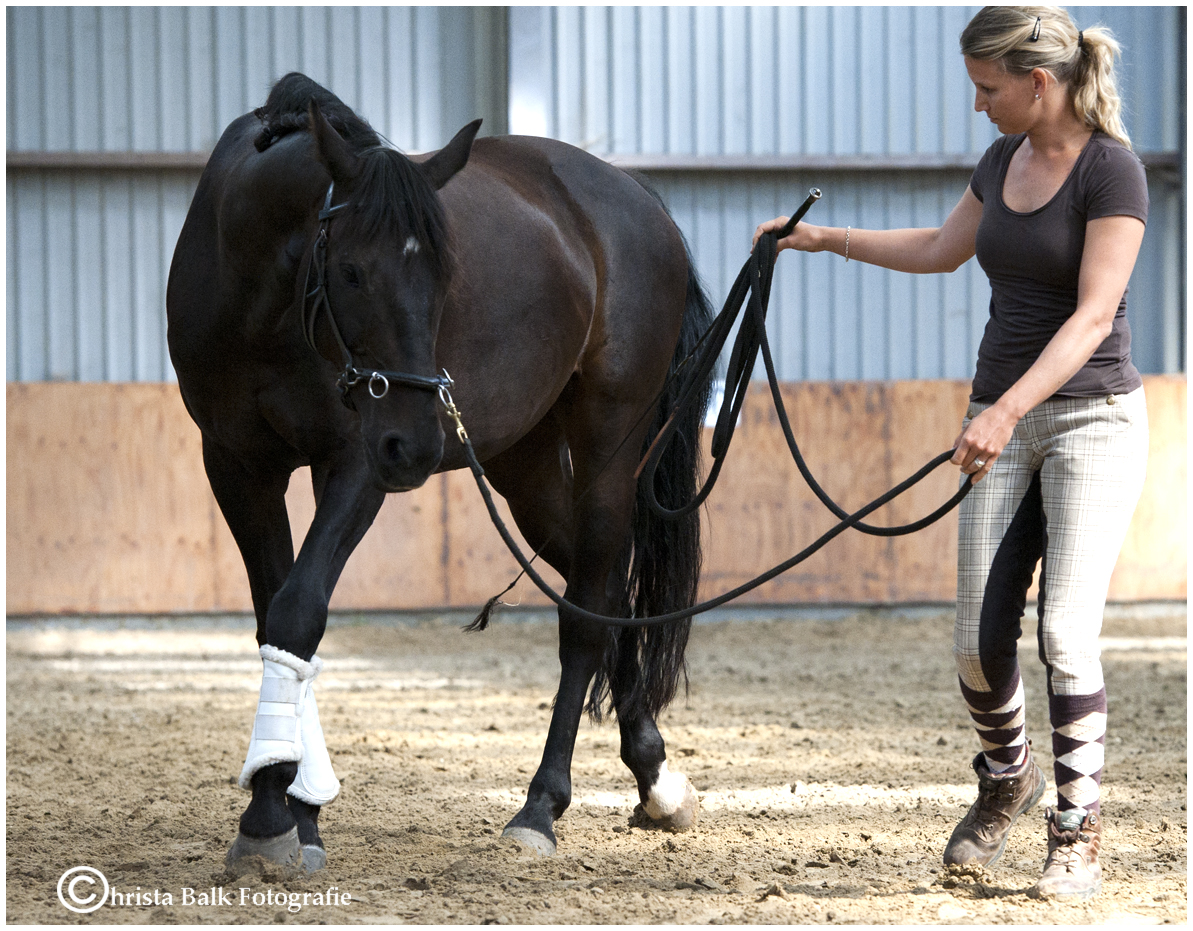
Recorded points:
1005,98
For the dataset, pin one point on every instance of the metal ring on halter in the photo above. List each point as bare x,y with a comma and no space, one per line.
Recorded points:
445,394
377,376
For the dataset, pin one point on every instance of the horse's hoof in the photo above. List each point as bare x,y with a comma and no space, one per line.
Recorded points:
314,858
528,837
283,850
673,803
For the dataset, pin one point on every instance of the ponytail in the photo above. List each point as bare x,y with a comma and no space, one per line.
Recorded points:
1095,94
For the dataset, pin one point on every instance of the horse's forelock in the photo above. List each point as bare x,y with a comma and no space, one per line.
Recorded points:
392,199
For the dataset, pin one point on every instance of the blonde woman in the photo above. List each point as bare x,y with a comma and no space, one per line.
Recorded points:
1056,432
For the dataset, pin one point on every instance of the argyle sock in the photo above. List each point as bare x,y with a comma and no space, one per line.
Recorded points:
1079,746
998,717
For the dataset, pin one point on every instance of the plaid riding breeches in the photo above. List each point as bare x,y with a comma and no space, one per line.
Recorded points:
1063,491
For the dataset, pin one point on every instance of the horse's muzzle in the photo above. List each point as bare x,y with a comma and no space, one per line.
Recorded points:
403,461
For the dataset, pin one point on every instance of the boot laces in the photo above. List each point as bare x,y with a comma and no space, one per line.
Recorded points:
1065,855
993,795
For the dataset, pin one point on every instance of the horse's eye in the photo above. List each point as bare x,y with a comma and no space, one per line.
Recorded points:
350,276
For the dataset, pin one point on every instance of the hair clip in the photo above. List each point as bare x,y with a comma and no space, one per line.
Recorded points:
1035,33
1080,38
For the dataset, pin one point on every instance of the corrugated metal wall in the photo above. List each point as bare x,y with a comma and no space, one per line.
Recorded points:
829,319
744,80
794,80
88,250
884,84
87,257
169,79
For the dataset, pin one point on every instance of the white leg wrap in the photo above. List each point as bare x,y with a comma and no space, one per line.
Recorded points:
316,782
286,728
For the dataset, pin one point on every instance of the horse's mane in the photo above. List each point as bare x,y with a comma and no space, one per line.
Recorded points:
285,112
390,195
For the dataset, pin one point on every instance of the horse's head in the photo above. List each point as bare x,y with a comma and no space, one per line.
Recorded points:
381,264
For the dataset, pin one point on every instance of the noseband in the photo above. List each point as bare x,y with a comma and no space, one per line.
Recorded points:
315,300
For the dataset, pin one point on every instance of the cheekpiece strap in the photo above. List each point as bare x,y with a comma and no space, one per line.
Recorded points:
328,210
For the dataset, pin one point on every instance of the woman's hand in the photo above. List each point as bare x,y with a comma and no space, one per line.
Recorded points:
803,238
982,442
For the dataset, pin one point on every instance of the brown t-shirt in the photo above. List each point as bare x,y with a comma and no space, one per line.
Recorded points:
1033,261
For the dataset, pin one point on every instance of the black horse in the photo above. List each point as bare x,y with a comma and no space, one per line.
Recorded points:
322,284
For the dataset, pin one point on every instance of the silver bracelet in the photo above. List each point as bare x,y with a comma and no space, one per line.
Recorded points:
847,229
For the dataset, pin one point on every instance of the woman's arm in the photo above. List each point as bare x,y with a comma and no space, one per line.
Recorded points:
1111,246
921,251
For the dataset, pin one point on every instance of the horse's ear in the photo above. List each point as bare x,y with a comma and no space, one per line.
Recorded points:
331,148
440,167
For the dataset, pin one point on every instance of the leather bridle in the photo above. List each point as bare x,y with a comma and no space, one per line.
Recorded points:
315,300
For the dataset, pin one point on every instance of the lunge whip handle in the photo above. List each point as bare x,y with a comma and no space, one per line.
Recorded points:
813,196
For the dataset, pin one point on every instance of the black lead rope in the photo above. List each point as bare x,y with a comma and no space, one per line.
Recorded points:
850,521
753,282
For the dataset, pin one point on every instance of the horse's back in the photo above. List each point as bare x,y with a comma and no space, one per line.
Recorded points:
568,265
578,187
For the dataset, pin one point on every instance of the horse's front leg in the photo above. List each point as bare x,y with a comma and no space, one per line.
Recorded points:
287,767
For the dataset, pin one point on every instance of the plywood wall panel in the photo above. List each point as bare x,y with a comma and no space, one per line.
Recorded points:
399,563
1155,558
109,510
762,513
924,419
103,513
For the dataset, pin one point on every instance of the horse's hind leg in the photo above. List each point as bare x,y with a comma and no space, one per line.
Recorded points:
667,798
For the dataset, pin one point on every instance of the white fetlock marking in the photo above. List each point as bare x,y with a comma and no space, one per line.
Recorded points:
667,795
277,734
316,782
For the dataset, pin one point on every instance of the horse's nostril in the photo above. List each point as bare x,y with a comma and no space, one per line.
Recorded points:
404,460
391,450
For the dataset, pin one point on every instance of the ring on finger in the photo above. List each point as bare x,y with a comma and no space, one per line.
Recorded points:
980,463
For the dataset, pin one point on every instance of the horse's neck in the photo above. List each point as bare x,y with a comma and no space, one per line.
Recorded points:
268,213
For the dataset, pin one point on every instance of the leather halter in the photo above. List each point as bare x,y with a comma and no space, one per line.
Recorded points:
315,300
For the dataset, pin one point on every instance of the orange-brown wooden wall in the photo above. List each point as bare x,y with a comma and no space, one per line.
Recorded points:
109,510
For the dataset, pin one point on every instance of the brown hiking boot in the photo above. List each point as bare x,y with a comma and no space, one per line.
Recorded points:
981,836
1072,870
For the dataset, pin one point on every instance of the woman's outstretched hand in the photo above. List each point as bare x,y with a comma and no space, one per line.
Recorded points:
803,238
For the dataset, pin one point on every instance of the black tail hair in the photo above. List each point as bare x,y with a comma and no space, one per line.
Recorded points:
662,564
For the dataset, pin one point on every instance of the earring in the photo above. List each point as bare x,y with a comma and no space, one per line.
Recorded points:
1037,96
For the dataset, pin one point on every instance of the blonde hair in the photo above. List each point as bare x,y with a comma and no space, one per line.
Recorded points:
1083,61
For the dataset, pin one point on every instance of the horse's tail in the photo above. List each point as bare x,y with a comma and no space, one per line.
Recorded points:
662,565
